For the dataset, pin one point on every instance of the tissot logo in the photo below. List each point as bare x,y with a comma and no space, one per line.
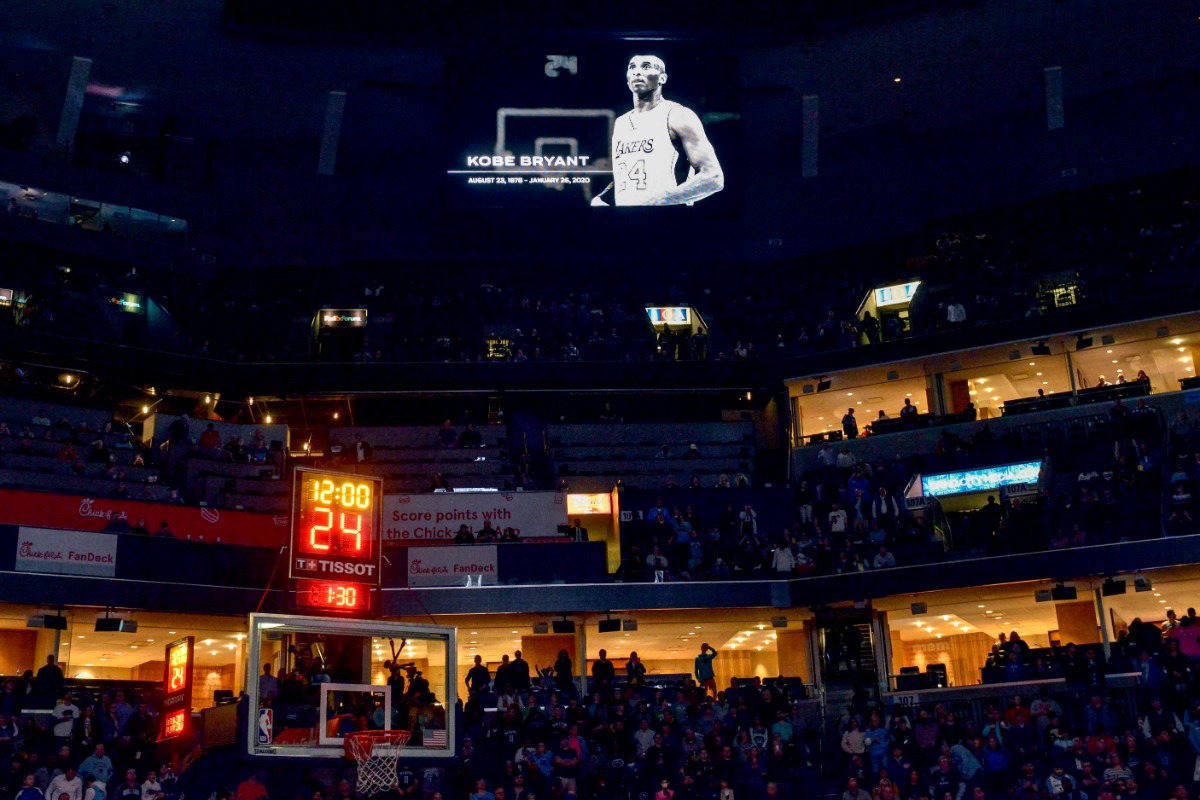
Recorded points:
336,567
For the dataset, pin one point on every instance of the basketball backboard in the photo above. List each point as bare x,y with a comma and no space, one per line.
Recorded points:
329,677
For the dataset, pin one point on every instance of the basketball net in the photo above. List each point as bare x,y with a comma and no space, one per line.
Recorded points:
377,754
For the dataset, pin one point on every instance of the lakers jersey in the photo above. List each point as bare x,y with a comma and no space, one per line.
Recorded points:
643,155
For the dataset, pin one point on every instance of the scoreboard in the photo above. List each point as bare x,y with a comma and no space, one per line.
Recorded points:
335,550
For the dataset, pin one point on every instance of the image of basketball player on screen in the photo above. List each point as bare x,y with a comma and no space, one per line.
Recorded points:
647,143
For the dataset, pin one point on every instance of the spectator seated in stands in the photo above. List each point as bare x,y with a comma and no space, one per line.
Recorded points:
446,435
487,534
470,437
1181,508
258,450
99,453
210,442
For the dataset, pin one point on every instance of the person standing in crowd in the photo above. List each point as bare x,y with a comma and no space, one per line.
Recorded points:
849,424
705,676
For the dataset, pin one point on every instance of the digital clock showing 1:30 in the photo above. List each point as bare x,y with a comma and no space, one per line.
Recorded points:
347,598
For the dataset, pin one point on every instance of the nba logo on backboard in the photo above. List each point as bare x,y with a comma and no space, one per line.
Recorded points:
266,725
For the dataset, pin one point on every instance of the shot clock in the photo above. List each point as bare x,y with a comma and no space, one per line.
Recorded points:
177,688
335,549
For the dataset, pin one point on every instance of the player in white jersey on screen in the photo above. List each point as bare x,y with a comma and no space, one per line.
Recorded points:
647,143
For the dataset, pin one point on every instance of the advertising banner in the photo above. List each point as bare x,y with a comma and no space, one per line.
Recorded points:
453,566
435,518
66,552
73,512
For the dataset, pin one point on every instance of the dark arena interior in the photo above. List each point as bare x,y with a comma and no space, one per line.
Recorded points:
360,437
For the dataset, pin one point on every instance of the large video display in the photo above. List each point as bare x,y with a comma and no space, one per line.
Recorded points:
617,124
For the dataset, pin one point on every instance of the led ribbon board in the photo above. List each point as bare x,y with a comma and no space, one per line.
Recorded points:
980,480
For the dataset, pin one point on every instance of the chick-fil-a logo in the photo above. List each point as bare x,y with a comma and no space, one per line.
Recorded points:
26,551
87,508
415,568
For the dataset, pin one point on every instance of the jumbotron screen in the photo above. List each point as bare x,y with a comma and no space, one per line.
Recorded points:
617,124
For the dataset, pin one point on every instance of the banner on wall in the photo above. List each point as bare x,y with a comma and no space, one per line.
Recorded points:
473,565
66,552
74,512
435,518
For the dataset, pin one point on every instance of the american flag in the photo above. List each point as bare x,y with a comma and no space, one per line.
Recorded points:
434,738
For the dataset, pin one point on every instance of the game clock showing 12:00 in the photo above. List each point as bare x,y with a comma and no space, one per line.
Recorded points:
335,527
